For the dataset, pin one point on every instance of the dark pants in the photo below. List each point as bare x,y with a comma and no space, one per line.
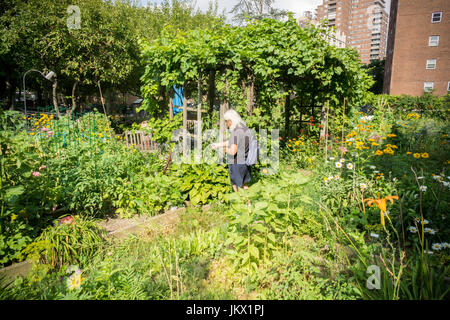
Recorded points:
239,174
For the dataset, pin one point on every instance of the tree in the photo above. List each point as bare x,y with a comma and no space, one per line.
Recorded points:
256,9
376,69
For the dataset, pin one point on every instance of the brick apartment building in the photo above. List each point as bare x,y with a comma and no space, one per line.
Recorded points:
418,55
364,22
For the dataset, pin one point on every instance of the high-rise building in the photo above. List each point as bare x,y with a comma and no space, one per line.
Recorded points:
364,22
418,55
335,38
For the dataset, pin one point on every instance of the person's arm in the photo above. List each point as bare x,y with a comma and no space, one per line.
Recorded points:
219,144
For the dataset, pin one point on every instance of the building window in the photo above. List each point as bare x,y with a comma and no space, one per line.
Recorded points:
436,17
433,41
428,86
431,64
448,86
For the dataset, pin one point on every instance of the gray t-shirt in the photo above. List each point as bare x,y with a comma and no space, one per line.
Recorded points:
240,136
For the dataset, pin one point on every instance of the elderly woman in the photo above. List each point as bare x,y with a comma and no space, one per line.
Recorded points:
236,148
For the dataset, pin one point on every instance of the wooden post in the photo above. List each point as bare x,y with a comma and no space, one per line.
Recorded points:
184,124
221,130
198,138
326,131
343,125
287,114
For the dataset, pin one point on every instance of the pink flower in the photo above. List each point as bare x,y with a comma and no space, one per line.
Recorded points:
42,167
375,137
44,129
36,173
68,219
49,133
54,208
343,149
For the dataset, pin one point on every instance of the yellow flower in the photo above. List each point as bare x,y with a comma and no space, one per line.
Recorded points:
381,204
372,140
297,142
391,135
408,152
425,155
379,152
289,145
416,155
375,144
309,160
294,150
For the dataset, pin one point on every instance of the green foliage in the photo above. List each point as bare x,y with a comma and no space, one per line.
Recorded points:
202,182
263,218
277,57
67,243
162,130
147,195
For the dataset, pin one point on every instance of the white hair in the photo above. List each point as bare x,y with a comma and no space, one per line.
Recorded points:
235,119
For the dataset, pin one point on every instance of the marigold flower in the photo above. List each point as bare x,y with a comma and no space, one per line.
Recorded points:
416,155
425,155
379,152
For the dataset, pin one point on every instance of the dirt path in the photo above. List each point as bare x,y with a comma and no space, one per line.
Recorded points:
122,228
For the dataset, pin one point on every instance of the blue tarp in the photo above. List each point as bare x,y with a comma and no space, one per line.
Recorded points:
178,97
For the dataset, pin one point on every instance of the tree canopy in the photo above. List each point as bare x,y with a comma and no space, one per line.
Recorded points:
278,58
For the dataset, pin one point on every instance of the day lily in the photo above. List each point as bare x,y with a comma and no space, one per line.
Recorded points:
381,204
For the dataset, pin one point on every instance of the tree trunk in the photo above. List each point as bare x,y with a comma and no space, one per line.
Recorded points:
287,114
55,98
101,99
74,99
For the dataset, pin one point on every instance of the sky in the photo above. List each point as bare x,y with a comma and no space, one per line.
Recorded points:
296,6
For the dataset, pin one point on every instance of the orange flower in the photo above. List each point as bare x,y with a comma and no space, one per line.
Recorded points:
381,204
